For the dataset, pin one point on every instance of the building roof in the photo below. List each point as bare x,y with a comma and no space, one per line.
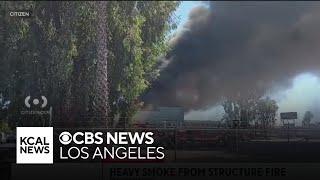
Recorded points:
160,114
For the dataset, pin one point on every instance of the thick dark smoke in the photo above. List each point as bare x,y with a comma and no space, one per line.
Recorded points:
232,48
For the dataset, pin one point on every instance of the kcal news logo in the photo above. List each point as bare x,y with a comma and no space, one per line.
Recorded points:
34,145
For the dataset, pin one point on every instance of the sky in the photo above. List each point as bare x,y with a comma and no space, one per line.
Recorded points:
183,11
303,94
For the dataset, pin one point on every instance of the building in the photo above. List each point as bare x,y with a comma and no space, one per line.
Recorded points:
165,117
170,117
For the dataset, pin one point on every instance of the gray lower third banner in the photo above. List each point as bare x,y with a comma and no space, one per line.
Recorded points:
168,171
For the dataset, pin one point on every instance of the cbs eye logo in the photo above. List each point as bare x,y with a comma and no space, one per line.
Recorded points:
36,101
65,138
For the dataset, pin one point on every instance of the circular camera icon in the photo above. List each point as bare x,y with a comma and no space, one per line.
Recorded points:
65,138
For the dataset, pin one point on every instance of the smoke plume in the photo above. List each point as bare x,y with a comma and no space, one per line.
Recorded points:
232,48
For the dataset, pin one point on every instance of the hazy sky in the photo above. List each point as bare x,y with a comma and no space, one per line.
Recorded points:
302,95
184,9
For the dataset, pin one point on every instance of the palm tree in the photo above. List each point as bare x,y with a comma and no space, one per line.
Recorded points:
100,102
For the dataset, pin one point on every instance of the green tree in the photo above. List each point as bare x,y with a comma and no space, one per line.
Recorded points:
137,39
307,119
100,103
253,109
60,52
241,109
266,111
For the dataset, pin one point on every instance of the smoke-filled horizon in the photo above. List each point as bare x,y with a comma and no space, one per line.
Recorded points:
232,48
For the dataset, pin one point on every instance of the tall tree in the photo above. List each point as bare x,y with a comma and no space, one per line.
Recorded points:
137,39
253,109
100,103
307,119
266,112
61,52
84,56
241,109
